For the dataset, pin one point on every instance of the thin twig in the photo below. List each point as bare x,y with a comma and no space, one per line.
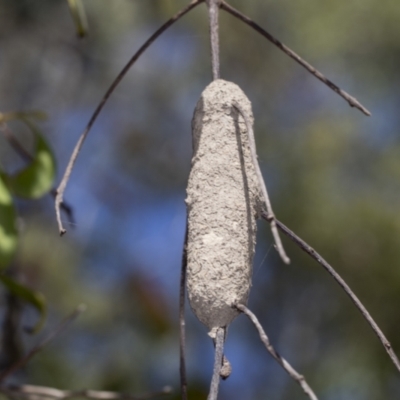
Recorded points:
219,354
284,364
34,392
54,333
78,146
27,157
311,252
253,151
213,15
353,102
182,333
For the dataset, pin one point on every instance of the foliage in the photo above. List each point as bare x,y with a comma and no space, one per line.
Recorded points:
32,182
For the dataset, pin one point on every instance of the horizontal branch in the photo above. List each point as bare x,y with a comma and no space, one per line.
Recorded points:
35,392
353,102
284,364
311,252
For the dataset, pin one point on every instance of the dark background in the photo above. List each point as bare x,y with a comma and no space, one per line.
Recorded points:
332,173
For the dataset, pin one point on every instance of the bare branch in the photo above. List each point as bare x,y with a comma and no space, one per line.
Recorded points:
311,252
353,102
271,219
218,360
213,13
182,333
31,392
53,334
284,364
78,146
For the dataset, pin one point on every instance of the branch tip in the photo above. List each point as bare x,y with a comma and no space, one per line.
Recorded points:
353,102
281,361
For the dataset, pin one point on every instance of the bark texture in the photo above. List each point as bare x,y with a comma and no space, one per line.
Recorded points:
223,201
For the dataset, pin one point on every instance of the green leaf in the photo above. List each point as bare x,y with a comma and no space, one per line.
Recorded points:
8,228
37,178
79,17
36,299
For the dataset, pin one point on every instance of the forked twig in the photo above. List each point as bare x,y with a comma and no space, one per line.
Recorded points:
271,216
54,333
78,146
182,332
35,392
219,355
213,15
284,364
311,252
353,102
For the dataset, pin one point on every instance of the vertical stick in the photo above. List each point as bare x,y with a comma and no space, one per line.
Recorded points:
182,334
219,351
213,13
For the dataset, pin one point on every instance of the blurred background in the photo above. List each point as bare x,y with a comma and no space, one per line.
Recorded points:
333,175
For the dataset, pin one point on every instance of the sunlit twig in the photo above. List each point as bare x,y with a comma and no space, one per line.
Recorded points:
353,102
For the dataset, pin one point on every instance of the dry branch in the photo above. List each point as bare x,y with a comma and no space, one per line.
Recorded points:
285,365
219,355
213,14
353,102
79,144
31,392
311,252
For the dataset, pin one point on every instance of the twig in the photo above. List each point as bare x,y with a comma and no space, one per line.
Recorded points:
110,90
285,365
219,354
182,333
68,210
271,216
353,102
30,391
213,13
54,333
27,157
311,252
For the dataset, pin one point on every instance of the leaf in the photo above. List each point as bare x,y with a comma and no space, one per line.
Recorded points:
79,17
8,228
36,299
37,178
